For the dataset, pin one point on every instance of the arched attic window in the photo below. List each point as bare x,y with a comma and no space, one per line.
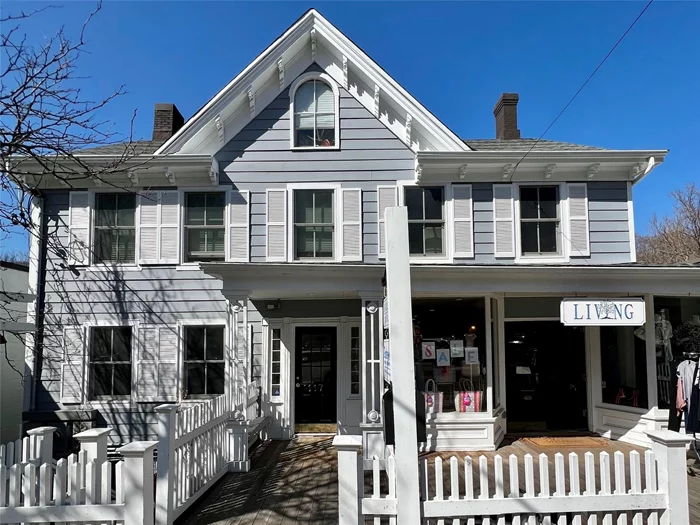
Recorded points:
315,109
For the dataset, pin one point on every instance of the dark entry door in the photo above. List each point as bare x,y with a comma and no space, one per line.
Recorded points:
315,375
545,377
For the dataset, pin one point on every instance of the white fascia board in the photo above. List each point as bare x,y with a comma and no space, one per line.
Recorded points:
266,64
440,157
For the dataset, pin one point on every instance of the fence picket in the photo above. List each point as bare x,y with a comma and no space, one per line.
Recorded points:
25,449
45,473
514,483
559,482
469,484
10,457
636,484
650,483
605,482
29,485
574,483
589,467
15,484
376,485
3,453
498,481
106,481
454,484
119,483
544,485
74,498
530,485
59,491
3,485
620,485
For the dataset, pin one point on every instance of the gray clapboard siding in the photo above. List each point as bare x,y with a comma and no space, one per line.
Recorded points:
608,215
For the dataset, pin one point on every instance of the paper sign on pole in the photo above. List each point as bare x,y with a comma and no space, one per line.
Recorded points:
443,356
456,348
428,348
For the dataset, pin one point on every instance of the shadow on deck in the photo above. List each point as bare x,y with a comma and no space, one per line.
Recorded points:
295,482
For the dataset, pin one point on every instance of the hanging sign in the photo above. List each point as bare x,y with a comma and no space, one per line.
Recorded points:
471,356
428,349
456,348
442,356
603,312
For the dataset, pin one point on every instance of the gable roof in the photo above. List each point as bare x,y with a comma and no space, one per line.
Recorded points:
311,39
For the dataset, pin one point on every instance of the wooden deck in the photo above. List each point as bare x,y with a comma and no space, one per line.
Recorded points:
295,482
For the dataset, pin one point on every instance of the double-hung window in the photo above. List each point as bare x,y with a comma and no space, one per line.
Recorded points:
110,362
204,226
204,360
426,220
313,224
115,228
314,115
540,220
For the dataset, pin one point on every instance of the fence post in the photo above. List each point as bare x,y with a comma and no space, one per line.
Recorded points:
94,442
165,491
138,482
43,451
669,449
237,433
350,479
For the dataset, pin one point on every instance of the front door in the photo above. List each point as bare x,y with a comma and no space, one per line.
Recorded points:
315,376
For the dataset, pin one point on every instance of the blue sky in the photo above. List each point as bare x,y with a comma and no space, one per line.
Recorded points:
455,57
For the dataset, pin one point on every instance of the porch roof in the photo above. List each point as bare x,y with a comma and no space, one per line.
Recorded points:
319,281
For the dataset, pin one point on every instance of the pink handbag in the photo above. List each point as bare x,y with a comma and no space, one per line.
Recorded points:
467,399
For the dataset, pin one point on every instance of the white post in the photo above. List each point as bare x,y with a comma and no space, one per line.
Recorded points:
94,442
350,479
42,444
650,341
237,433
669,449
398,282
137,482
165,491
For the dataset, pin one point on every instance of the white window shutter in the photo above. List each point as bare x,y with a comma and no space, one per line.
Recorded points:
79,227
351,224
463,209
238,237
276,225
73,365
503,221
386,198
578,220
158,348
148,227
169,230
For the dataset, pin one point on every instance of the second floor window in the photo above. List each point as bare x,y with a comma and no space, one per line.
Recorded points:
313,224
204,360
110,362
204,226
426,221
314,115
539,220
115,228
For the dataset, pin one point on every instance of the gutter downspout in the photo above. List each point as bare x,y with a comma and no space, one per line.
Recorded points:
32,340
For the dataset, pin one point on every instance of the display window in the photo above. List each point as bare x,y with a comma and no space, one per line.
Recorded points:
677,336
450,354
623,366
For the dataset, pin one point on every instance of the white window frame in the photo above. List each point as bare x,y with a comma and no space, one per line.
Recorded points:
337,222
562,257
446,257
350,326
276,324
313,75
92,202
183,219
183,324
111,401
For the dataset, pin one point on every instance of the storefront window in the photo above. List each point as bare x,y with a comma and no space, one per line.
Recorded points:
623,366
450,354
677,335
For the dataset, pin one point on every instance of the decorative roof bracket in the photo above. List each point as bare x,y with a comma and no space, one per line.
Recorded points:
549,171
219,128
280,72
170,176
376,100
251,100
345,72
463,170
593,169
409,123
313,44
508,170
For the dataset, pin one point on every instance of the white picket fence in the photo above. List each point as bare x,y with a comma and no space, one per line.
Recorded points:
484,493
79,488
36,448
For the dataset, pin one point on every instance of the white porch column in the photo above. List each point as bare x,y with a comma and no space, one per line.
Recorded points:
237,363
372,375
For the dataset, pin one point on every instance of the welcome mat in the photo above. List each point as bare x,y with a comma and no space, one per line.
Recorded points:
567,442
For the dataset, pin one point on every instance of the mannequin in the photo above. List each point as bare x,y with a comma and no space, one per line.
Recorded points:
663,332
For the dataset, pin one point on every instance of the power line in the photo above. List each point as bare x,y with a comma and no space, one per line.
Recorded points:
619,41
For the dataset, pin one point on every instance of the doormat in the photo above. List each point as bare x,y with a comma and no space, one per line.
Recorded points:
315,428
567,442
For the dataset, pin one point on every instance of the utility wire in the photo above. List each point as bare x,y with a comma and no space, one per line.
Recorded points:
619,41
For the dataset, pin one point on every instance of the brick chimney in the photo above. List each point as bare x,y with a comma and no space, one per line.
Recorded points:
167,120
506,113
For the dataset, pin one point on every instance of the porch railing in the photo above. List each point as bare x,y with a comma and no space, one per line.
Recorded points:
529,490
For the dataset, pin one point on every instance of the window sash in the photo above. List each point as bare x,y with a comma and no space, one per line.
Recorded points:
276,363
355,360
314,227
122,248
429,223
540,219
321,115
111,362
205,363
203,224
